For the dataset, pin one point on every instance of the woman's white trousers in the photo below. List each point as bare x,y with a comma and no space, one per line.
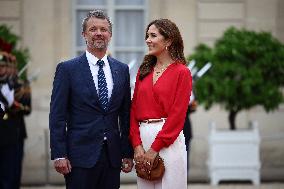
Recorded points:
174,156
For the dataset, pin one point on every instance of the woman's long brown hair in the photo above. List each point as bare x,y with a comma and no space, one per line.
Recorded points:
170,31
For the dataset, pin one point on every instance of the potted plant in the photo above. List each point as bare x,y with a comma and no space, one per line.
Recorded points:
9,43
247,70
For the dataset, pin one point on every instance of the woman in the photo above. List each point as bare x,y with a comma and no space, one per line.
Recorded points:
159,105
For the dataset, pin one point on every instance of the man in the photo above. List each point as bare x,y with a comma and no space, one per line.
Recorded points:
15,95
89,113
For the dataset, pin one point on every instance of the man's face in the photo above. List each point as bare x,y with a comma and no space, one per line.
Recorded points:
97,34
3,73
2,70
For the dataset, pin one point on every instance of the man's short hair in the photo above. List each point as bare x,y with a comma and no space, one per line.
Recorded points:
97,13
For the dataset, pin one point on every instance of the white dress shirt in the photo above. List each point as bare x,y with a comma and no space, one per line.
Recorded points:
92,60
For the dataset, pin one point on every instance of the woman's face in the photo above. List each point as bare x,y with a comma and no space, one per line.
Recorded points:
155,41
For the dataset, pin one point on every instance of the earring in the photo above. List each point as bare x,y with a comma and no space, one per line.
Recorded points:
166,47
172,55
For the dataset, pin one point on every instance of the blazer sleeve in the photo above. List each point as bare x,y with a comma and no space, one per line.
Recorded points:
59,112
127,151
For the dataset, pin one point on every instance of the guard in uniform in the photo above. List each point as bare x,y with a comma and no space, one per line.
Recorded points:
16,97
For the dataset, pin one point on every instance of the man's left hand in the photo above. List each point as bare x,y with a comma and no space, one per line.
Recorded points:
127,165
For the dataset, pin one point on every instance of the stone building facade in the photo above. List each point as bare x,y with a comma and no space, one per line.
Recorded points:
50,29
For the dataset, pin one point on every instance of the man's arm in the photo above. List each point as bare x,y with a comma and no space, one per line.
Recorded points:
58,120
58,112
22,102
124,119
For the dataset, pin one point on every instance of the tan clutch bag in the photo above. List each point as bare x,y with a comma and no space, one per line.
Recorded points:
156,173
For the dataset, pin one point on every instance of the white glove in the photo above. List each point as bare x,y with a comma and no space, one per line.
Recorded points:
8,94
2,106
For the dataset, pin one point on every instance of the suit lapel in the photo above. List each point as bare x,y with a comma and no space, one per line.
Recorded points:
87,76
116,81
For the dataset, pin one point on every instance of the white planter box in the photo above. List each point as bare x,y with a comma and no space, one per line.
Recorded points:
234,155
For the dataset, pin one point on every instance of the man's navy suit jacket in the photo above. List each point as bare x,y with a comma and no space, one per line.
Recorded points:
77,121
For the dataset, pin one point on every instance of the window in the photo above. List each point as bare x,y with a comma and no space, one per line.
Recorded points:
129,20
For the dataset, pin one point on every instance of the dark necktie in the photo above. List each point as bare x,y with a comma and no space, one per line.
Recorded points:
102,85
